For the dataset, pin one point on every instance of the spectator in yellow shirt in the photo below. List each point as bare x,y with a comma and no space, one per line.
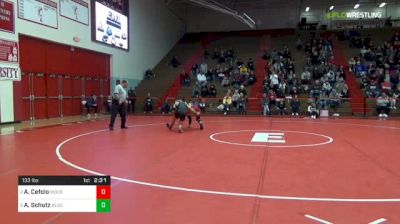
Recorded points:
244,70
227,102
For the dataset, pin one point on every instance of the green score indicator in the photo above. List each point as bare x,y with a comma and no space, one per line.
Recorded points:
103,206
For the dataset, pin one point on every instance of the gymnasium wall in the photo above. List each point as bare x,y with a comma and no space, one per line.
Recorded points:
319,14
154,30
204,20
276,16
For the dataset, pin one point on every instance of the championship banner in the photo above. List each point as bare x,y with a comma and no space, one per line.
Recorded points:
9,51
371,23
43,12
77,10
7,21
10,72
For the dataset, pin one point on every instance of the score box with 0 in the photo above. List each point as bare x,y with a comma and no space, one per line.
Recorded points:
64,194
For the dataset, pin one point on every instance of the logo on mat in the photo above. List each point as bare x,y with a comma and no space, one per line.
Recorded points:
277,138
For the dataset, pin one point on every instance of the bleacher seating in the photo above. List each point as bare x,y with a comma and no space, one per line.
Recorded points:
169,85
367,48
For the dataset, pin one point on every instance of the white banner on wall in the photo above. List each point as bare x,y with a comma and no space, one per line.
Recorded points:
10,72
76,10
43,12
366,23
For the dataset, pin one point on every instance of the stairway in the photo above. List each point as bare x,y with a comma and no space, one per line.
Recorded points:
254,103
245,48
165,75
187,66
356,95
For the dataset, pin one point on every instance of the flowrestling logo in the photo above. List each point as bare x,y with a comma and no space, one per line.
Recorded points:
354,15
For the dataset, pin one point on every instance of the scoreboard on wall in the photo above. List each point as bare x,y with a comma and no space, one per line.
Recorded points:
64,194
110,23
117,5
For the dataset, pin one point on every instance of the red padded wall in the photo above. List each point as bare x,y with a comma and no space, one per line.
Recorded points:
52,91
76,95
24,99
67,102
32,54
58,58
39,91
41,56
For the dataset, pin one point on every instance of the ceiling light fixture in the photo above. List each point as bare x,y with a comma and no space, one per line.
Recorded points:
216,6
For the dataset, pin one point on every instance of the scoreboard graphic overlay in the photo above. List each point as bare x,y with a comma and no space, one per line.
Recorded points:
64,194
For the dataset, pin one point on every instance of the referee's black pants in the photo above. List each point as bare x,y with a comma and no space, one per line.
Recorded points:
120,109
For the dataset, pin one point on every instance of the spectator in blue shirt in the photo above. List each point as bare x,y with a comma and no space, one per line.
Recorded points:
91,104
360,69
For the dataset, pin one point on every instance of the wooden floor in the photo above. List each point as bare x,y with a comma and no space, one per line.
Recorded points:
7,129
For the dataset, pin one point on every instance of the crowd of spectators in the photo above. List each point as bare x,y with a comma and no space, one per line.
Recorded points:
378,68
232,74
322,79
237,100
280,83
322,82
228,72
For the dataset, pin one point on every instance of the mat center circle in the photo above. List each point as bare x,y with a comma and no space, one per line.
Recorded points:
271,138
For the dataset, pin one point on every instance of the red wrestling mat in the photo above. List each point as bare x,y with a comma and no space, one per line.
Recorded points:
237,170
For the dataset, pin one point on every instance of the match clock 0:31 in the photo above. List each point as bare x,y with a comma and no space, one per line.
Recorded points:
100,180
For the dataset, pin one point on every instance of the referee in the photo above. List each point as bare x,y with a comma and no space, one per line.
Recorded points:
119,103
